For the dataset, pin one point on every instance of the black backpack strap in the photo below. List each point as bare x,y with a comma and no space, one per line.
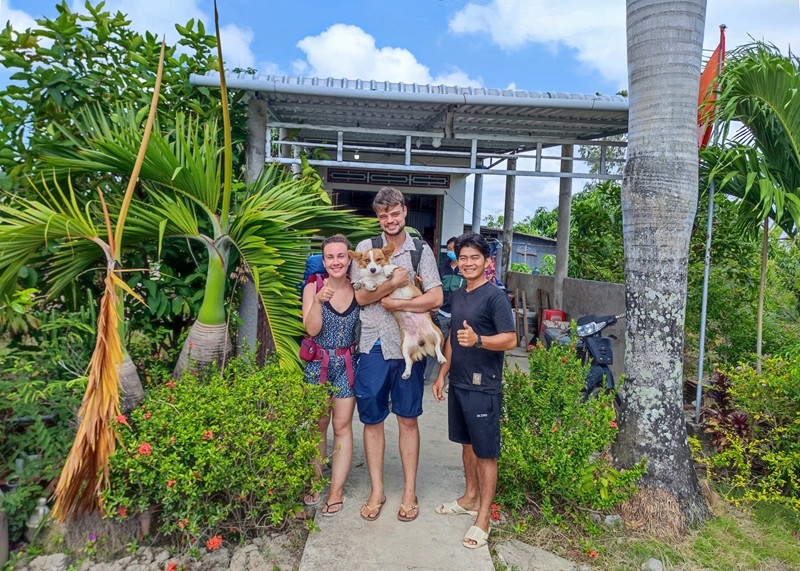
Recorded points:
416,253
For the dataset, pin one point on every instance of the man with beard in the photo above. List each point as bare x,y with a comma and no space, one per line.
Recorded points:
378,375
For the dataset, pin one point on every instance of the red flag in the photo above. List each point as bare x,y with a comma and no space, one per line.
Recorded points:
708,92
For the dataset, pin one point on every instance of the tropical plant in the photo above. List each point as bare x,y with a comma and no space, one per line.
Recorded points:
207,471
265,225
760,164
659,199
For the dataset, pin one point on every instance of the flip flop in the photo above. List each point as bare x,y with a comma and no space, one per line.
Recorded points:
372,508
404,509
454,508
327,507
477,535
312,501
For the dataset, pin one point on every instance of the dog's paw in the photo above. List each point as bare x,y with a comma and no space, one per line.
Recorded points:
441,360
406,374
357,285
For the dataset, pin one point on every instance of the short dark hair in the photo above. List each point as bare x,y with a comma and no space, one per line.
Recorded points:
451,239
336,239
386,198
472,240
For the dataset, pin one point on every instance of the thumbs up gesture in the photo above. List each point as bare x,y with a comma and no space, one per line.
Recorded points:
466,336
326,293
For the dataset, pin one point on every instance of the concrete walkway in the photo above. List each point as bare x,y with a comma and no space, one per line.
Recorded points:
432,541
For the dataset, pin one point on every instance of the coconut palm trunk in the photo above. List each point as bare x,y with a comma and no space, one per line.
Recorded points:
659,199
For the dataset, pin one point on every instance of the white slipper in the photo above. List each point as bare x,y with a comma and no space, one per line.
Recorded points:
477,535
454,508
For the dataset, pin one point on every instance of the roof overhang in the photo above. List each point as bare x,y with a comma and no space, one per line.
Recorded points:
434,120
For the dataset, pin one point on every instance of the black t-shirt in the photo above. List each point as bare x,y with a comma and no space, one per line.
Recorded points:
487,310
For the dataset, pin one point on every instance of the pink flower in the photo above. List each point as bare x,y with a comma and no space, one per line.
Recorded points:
208,435
170,483
592,554
122,511
613,424
145,449
147,415
172,440
214,543
555,428
172,566
182,523
121,418
171,384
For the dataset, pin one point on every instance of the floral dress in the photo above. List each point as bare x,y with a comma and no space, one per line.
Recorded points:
338,332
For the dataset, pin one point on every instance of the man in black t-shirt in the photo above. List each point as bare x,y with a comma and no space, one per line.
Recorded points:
482,328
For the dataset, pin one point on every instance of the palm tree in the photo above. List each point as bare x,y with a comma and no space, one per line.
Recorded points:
760,164
659,199
58,219
265,226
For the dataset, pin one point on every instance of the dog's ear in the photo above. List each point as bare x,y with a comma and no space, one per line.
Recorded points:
388,250
355,255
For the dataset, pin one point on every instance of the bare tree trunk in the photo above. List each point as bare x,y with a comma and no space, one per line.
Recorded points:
659,199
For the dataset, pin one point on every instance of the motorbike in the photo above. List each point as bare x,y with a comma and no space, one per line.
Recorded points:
593,348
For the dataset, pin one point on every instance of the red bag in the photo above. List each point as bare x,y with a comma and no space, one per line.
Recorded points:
308,349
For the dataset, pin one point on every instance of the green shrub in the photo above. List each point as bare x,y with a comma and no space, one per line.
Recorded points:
754,422
230,452
553,441
41,385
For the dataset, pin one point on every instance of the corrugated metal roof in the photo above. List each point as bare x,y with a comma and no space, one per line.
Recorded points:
383,113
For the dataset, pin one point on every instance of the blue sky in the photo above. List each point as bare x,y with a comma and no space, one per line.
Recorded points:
573,46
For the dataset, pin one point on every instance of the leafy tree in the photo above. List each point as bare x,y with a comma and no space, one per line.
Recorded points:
75,60
760,165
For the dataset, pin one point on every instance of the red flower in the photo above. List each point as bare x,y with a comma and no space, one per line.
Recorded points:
495,516
613,424
208,435
495,508
122,511
555,428
214,543
145,449
121,418
563,359
147,415
171,384
172,566
170,483
592,554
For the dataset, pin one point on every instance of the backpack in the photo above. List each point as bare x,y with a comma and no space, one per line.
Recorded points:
315,270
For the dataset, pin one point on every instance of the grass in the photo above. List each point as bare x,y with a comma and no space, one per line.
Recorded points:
763,537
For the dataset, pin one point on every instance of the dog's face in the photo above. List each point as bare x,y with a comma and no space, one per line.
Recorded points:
371,261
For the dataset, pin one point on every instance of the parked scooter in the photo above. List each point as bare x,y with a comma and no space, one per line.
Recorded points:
593,348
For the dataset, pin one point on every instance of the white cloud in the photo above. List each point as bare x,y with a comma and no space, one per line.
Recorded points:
19,20
596,30
346,51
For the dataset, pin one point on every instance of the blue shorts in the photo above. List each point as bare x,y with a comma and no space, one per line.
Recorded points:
379,379
474,418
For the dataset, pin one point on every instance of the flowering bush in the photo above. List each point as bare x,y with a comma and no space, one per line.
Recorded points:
754,422
552,440
229,451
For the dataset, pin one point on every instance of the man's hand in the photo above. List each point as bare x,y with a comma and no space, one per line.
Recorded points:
438,388
390,304
399,278
467,336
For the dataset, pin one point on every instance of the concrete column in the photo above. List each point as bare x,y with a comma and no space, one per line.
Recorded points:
562,235
508,220
252,334
477,200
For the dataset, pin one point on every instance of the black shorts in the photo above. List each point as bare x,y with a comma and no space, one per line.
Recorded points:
473,417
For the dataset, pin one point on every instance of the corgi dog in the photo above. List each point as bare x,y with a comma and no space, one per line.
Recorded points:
418,335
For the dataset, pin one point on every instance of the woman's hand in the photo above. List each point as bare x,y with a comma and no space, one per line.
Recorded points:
325,294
